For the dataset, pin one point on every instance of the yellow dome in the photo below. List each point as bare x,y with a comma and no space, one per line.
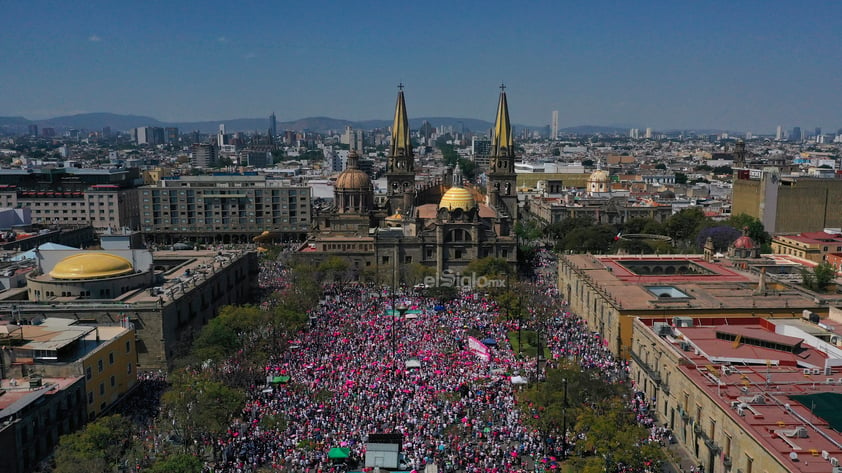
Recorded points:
91,266
457,198
599,176
353,179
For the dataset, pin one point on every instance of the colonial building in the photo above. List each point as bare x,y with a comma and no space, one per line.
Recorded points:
813,246
745,394
599,203
442,223
167,296
609,292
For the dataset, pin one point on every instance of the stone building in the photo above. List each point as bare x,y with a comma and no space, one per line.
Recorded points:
744,395
442,223
167,295
609,292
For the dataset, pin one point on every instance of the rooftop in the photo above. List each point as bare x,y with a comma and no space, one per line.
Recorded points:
696,283
761,386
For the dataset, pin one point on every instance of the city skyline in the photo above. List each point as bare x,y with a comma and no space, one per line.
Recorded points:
653,64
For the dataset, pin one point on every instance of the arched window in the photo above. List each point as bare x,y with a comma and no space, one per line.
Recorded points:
458,234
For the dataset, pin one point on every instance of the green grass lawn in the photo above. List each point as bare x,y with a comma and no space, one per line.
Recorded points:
529,338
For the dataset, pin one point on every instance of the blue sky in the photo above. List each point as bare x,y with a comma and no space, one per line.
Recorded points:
742,65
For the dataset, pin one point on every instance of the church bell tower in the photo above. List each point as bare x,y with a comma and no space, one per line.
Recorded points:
400,172
502,180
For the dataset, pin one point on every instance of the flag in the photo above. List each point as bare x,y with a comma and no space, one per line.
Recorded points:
617,237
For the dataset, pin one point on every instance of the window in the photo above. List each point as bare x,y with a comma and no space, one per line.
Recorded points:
457,254
99,365
113,381
90,397
88,373
101,389
128,346
130,368
111,358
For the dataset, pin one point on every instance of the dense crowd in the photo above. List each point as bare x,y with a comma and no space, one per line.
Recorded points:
353,373
348,377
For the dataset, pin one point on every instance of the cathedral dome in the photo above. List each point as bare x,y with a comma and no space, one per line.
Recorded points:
353,179
744,242
599,176
91,266
457,198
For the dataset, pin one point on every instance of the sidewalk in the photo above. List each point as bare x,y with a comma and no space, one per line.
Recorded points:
681,459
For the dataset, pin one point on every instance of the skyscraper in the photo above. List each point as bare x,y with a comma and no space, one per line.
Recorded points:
796,134
648,133
554,128
273,125
779,133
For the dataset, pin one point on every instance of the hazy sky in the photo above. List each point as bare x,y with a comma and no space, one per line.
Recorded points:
741,65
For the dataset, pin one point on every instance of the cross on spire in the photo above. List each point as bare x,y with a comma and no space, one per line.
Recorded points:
400,85
502,87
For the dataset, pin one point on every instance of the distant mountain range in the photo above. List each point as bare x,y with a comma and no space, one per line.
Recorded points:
117,122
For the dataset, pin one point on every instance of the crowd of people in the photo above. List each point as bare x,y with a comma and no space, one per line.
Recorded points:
362,368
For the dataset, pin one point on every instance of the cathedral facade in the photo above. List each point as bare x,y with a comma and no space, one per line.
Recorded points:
441,226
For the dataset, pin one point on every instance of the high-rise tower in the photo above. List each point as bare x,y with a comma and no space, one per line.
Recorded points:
273,125
400,172
554,129
502,181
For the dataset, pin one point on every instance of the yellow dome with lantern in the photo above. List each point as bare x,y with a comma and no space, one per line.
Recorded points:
91,266
457,198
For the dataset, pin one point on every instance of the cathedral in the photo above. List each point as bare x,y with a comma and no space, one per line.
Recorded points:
443,224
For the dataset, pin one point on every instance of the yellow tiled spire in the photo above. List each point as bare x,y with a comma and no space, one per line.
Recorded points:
401,142
503,128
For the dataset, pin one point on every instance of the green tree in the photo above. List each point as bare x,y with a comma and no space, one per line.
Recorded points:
559,230
177,463
416,273
223,335
680,178
593,239
684,225
199,406
334,268
661,166
469,168
818,278
612,434
754,229
490,267
97,447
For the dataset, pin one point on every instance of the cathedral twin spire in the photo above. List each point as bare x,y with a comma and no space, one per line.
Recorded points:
401,142
503,141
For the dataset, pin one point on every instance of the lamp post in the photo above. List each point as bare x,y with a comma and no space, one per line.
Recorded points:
564,421
401,309
538,355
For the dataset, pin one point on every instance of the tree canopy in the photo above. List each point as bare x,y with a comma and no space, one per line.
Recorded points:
97,447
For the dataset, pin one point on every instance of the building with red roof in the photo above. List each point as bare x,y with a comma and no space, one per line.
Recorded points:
813,246
748,396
